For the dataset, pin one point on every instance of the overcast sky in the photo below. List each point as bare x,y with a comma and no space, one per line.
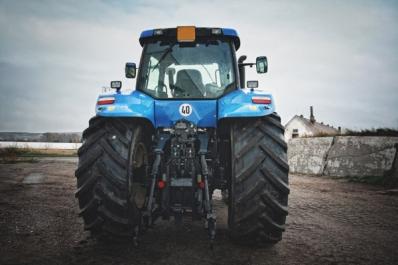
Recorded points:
339,56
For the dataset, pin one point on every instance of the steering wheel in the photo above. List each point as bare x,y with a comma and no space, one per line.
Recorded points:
178,88
158,92
184,93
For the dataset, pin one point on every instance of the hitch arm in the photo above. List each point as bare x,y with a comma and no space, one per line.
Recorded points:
210,216
155,169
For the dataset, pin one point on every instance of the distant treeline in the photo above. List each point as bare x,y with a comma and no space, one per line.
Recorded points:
373,132
41,137
365,132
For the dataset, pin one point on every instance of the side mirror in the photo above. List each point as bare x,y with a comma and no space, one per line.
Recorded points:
252,84
116,85
261,64
130,70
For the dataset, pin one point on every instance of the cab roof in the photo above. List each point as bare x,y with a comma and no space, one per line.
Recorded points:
170,34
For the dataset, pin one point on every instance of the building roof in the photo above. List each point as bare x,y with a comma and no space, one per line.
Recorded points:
314,127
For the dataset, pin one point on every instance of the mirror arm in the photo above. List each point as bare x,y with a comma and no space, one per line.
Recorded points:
242,71
247,64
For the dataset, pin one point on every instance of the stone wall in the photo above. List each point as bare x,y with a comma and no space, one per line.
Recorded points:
344,156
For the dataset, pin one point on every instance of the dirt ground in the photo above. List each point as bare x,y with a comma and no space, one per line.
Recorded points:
329,222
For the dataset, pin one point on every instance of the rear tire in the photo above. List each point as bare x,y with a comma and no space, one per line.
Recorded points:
258,193
107,163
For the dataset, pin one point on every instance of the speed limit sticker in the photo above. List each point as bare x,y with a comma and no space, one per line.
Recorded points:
185,110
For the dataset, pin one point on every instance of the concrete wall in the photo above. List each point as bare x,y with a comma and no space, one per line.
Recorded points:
394,170
343,156
361,156
308,155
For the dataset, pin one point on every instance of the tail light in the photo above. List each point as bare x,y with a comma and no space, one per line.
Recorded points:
161,184
106,101
261,100
201,185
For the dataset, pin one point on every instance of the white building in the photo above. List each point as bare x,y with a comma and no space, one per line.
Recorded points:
299,126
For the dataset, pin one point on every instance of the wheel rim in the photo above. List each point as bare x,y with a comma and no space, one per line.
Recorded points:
140,156
139,172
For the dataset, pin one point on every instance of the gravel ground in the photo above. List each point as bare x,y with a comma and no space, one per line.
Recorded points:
329,222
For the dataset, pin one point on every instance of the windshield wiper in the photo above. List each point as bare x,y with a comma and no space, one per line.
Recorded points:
165,53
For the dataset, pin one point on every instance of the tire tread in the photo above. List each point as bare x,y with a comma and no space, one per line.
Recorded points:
260,180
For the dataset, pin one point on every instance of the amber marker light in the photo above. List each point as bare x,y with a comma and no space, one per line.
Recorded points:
186,34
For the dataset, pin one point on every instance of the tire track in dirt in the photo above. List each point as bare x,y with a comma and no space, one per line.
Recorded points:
329,222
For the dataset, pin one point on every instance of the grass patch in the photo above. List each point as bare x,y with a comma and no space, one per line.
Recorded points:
374,180
385,181
12,155
27,155
8,160
48,153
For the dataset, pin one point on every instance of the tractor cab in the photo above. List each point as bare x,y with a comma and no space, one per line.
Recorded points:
185,63
191,66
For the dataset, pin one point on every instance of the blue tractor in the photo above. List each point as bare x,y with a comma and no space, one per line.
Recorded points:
190,127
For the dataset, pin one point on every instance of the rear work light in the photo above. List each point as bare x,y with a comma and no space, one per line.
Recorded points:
261,100
158,32
106,101
216,31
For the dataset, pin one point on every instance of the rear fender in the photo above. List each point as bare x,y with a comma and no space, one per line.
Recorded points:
136,104
238,104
